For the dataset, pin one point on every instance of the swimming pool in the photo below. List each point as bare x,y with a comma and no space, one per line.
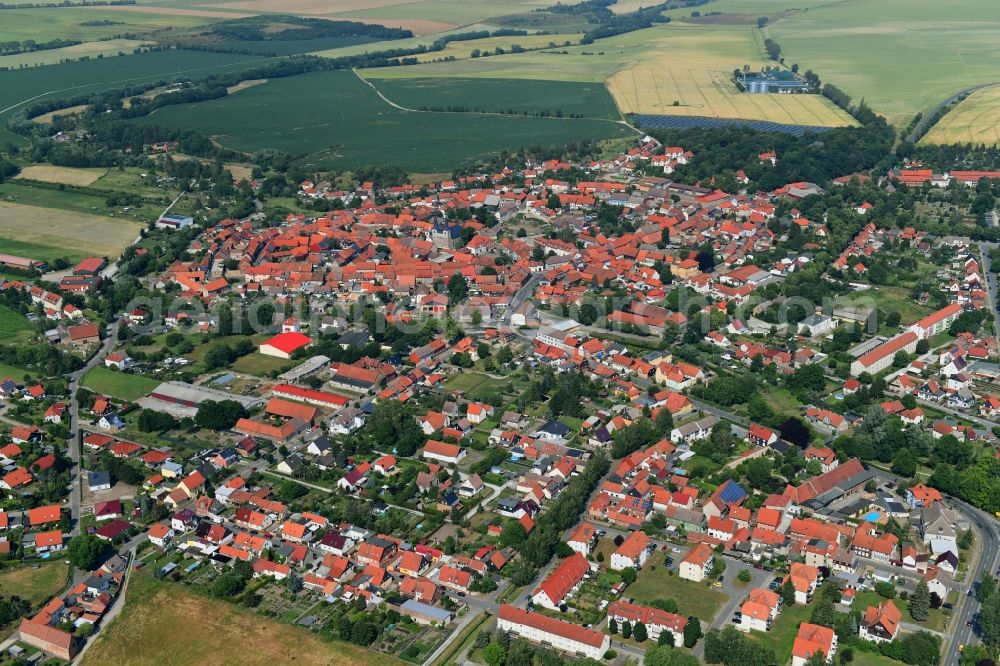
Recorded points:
872,517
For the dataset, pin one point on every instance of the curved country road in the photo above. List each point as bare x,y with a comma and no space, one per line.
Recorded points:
925,121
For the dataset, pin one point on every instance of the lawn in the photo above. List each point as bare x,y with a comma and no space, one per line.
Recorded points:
897,299
118,384
466,382
936,621
14,372
259,365
37,584
336,120
13,326
590,100
783,631
901,56
692,598
976,119
782,401
165,623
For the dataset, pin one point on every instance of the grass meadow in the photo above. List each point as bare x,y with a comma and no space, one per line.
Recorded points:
213,631
48,233
118,384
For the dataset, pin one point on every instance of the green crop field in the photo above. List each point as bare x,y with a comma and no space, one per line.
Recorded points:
901,56
102,49
333,119
738,10
79,23
590,100
293,46
20,87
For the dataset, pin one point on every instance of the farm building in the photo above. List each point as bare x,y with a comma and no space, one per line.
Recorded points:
284,344
772,82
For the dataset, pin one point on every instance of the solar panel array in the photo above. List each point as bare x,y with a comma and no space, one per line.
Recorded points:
702,122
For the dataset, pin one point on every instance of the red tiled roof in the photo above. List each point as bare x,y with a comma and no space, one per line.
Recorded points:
573,632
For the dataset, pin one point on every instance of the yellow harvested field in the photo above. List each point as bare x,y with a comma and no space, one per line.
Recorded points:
47,118
107,48
91,234
243,85
418,27
626,6
652,88
240,171
166,10
976,119
166,624
692,67
307,7
48,173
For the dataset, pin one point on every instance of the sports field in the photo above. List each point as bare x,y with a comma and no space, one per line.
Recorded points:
166,623
50,233
901,56
48,173
648,70
976,119
335,120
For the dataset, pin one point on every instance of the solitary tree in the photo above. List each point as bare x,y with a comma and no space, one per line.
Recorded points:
692,631
920,602
639,632
787,591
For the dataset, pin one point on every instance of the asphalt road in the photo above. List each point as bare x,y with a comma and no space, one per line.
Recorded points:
988,549
76,474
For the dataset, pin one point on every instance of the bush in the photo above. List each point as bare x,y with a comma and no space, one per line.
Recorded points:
885,590
610,654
